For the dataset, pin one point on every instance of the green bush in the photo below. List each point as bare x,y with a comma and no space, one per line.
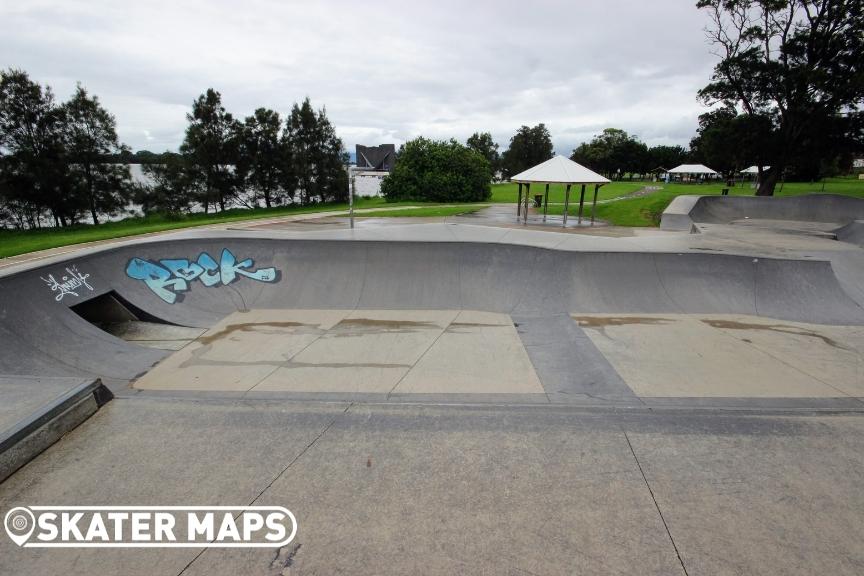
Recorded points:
438,171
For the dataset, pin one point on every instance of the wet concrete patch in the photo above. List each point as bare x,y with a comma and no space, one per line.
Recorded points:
604,321
783,328
260,327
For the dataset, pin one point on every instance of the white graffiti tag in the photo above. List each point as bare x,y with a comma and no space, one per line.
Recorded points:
69,283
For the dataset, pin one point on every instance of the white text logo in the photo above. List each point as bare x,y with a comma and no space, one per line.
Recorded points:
150,526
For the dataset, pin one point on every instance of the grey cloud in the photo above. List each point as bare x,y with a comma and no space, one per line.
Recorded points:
386,71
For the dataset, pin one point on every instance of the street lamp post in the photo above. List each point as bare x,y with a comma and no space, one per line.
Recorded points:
351,185
351,200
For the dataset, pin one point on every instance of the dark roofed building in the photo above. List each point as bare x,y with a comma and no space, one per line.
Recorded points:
376,157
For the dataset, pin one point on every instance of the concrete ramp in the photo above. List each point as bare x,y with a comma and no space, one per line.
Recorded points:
832,209
853,233
198,282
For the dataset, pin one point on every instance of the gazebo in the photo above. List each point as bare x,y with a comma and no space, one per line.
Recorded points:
754,172
557,170
754,169
694,170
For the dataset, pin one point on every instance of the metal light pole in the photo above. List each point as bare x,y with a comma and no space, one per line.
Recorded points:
351,185
351,200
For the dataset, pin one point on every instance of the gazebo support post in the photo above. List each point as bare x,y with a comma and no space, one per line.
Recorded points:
594,205
545,202
527,195
581,202
566,204
519,203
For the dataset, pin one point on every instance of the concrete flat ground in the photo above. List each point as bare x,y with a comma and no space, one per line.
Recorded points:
671,355
440,352
387,489
374,351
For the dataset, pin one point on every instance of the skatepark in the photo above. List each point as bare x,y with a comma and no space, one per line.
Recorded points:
667,374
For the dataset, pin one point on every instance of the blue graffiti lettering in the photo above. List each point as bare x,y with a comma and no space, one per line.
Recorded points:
169,278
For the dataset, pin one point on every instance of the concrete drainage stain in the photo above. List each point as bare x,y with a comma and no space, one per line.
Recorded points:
248,327
604,321
781,328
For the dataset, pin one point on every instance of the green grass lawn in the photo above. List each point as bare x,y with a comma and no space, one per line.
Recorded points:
509,192
646,210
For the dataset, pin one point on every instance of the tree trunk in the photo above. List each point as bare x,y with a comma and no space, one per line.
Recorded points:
768,182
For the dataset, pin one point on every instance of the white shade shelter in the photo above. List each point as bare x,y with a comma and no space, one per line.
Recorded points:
692,169
754,169
557,170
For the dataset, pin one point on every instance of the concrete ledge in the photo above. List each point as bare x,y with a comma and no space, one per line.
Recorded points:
40,429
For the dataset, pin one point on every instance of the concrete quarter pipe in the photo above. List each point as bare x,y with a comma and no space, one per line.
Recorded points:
198,282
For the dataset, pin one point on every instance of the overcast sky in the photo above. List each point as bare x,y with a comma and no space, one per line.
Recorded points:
386,71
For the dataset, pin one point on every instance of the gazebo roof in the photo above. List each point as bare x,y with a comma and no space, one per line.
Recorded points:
559,170
753,169
692,169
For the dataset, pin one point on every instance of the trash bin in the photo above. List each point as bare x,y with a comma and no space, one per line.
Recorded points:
538,200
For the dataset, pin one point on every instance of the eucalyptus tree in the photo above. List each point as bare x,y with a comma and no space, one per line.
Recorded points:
483,143
528,147
263,156
212,146
797,63
90,133
316,158
33,152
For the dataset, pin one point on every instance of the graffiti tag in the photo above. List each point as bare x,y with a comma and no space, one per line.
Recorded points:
169,278
69,283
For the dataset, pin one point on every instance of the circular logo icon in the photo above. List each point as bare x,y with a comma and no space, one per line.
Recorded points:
19,523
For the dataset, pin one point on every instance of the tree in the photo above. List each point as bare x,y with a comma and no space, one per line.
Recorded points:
316,156
666,156
175,184
31,138
482,142
797,62
528,147
91,136
613,153
263,155
728,142
438,171
212,144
